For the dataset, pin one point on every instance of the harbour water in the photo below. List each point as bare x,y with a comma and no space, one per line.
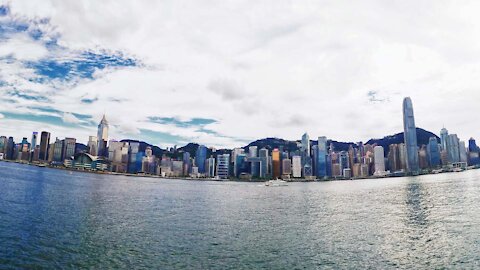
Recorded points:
57,219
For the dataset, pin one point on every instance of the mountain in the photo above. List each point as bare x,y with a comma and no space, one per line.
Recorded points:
423,136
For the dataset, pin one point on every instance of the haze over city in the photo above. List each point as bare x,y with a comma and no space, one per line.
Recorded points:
226,73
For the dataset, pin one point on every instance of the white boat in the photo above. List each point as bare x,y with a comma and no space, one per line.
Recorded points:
275,183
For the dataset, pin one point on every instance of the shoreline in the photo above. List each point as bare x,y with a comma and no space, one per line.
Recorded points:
296,180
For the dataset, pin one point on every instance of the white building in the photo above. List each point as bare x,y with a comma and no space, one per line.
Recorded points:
379,158
297,166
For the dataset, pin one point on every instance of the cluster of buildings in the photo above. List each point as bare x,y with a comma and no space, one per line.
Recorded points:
310,160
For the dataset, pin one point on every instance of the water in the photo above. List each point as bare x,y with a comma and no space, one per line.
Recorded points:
56,219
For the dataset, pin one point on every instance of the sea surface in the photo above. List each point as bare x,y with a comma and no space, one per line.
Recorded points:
57,219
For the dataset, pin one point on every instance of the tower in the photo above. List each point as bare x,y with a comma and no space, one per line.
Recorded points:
102,136
410,136
44,143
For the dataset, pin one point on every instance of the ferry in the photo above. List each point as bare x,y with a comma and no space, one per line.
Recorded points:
275,183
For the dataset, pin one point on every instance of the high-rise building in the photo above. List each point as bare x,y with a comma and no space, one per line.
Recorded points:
444,138
433,152
453,148
321,166
44,144
34,141
379,157
394,158
200,158
276,163
92,145
57,150
254,166
223,166
187,163
462,152
296,166
286,167
410,136
472,145
69,148
102,137
423,157
305,146
211,167
3,144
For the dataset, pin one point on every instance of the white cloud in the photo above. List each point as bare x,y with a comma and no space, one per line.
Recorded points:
22,47
2,116
263,69
70,118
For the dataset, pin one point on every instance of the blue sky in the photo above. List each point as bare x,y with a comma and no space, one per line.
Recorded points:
226,73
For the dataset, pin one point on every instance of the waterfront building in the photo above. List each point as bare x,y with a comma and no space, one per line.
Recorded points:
379,157
114,146
187,163
444,138
134,157
50,155
463,152
321,166
92,145
410,136
296,166
57,150
305,146
211,167
336,170
276,164
254,166
343,160
200,159
444,157
102,136
423,157
3,145
264,165
240,165
286,168
356,172
453,148
223,166
34,141
433,152
393,158
44,144
69,145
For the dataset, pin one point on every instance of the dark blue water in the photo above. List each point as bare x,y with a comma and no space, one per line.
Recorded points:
54,219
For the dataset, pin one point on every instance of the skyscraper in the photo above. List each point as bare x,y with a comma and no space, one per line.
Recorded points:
410,136
34,141
276,163
321,165
200,158
102,137
379,157
433,152
44,143
223,166
305,145
444,138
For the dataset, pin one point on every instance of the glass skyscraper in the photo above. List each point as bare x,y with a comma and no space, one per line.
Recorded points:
200,158
410,136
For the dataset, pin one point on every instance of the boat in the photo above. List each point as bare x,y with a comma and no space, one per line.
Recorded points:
275,183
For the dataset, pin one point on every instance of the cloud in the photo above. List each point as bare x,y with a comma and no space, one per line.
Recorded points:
2,116
70,118
259,69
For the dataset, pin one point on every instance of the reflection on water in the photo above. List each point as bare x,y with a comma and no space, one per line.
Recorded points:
52,219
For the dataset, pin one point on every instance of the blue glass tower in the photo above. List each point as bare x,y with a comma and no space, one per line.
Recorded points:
433,152
410,136
200,158
321,166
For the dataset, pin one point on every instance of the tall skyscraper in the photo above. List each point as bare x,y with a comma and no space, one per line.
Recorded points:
34,141
305,146
321,166
453,148
69,148
44,143
223,166
379,157
410,136
200,158
102,137
433,152
444,138
276,163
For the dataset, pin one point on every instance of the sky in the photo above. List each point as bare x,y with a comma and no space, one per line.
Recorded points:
224,73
